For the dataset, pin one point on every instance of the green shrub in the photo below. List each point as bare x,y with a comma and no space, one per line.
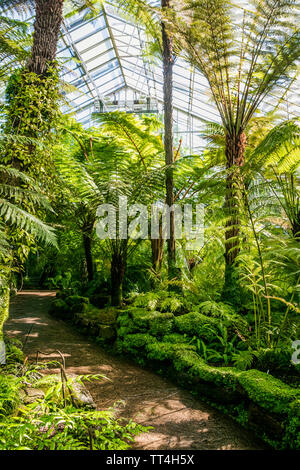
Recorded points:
126,326
227,314
99,300
216,309
14,353
273,360
267,391
9,394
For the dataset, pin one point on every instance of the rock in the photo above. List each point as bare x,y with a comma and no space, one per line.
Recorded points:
82,396
32,395
107,332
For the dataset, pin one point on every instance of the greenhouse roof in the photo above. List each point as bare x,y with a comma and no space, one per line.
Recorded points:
104,59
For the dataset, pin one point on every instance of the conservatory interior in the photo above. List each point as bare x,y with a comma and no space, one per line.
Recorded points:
149,225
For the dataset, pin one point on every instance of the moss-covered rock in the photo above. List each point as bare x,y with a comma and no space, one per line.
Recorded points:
176,338
81,396
267,391
59,308
137,343
197,324
77,304
222,376
135,319
167,351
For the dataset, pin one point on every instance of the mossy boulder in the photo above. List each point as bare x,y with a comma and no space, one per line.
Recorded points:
176,338
197,324
267,391
157,323
59,308
135,320
77,304
221,376
137,343
168,351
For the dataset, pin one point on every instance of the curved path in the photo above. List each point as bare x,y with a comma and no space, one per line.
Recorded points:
180,421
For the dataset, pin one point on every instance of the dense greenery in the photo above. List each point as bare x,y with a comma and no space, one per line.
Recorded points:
219,319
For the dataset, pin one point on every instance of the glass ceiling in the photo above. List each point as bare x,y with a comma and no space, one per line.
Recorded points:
104,60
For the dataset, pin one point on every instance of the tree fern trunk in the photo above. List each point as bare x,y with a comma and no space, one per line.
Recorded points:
235,158
88,256
48,20
118,265
168,63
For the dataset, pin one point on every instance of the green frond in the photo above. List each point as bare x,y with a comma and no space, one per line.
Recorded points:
19,218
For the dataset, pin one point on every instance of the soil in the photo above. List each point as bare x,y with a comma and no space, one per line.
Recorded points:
180,420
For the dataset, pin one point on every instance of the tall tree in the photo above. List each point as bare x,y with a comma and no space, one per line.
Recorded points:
245,55
168,63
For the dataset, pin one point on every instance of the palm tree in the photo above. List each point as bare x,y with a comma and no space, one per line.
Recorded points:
245,55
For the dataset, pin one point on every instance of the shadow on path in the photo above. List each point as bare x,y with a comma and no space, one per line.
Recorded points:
180,421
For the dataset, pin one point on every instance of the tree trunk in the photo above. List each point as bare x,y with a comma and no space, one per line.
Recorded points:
88,256
168,63
157,247
48,20
117,271
235,158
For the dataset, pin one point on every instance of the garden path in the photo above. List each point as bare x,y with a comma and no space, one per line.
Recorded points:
180,421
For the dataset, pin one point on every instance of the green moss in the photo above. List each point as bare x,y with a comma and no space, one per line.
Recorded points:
59,308
9,394
185,359
291,438
4,305
196,324
136,343
77,304
223,376
142,320
176,338
167,351
267,391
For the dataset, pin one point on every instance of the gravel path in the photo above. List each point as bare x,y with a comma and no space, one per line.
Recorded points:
180,421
